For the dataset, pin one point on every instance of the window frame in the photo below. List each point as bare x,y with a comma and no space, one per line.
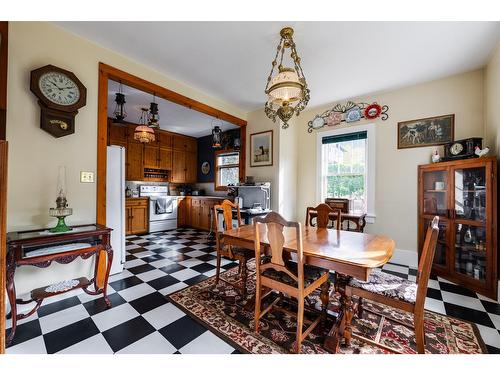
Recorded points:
370,163
217,167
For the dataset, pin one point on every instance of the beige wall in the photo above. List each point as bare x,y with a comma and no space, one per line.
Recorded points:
34,155
396,170
492,103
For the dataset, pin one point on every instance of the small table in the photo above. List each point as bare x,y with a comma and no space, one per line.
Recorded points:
356,217
349,254
39,248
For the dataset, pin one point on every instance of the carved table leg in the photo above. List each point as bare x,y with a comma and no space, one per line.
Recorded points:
109,253
325,299
11,293
348,315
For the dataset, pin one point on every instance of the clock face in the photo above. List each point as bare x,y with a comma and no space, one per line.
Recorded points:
456,148
59,88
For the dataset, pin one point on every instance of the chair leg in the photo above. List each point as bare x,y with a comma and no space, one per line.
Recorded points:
360,307
217,272
257,304
300,322
243,264
419,334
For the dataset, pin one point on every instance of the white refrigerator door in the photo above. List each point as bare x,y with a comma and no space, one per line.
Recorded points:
115,204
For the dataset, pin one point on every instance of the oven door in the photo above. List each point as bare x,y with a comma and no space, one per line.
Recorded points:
162,208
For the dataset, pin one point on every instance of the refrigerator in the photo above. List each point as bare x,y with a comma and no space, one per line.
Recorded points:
115,204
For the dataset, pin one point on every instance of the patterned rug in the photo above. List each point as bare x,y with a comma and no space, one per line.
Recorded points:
222,310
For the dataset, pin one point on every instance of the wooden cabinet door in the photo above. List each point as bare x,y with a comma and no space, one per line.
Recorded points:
128,220
191,144
195,212
164,139
117,134
165,158
139,222
191,164
134,166
181,212
178,166
151,156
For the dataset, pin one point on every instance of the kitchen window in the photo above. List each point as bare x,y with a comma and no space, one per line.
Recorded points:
346,160
227,169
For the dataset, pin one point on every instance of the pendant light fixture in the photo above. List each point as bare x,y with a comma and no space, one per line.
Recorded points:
120,113
143,133
287,91
153,116
216,133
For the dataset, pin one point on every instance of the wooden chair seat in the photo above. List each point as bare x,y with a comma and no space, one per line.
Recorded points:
311,274
387,285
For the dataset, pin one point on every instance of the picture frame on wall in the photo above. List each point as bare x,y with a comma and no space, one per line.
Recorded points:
424,132
261,149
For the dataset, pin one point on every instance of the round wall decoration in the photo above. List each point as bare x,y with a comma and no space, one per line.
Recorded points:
205,167
373,111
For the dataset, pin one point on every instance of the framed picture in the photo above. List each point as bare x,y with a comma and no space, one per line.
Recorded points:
425,132
261,149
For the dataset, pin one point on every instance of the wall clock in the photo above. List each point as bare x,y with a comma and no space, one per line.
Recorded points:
60,95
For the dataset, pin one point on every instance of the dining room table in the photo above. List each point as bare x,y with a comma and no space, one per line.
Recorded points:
348,254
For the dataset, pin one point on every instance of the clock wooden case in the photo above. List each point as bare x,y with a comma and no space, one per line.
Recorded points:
60,95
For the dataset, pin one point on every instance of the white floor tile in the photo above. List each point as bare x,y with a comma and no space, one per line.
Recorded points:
144,254
163,315
195,253
172,288
150,275
136,291
207,343
210,273
84,297
161,263
63,318
184,274
464,301
154,343
134,263
132,247
33,346
93,345
190,262
120,276
114,316
490,335
495,319
435,305
395,268
433,284
8,322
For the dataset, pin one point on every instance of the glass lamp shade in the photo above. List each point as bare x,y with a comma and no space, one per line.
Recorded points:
120,113
144,134
216,137
61,182
285,87
153,116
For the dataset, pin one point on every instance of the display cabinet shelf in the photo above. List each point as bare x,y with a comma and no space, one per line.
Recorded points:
466,251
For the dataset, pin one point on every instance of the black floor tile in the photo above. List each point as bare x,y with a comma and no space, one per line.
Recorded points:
434,293
178,258
137,250
195,280
474,316
25,331
160,250
412,271
492,349
125,283
493,308
69,335
457,289
127,333
163,282
152,258
182,331
184,250
58,306
172,268
203,267
148,302
97,306
130,257
206,257
230,265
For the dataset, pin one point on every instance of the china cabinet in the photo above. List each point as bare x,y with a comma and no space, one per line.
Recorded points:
463,194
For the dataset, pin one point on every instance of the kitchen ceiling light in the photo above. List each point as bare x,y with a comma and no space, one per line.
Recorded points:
120,113
216,133
287,91
143,133
153,116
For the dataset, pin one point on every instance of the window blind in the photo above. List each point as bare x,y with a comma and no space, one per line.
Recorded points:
344,137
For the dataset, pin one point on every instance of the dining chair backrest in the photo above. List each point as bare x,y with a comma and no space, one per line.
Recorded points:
227,214
275,225
323,212
426,258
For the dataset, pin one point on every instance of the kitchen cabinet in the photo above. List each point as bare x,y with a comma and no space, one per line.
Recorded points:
183,143
134,161
136,216
151,154
184,166
181,211
117,134
463,194
197,212
165,158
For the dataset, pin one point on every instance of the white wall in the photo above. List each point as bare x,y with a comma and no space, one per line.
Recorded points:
34,155
492,103
396,170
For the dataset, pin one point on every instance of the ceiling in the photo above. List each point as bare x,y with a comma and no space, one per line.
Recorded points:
173,117
231,60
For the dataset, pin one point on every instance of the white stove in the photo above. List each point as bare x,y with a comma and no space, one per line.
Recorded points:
162,207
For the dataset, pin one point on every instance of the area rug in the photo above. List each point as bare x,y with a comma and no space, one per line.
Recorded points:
222,310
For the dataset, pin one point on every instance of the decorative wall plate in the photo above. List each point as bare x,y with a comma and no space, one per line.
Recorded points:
205,167
349,112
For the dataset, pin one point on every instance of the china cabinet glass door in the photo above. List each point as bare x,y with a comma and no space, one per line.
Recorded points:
470,203
442,243
435,192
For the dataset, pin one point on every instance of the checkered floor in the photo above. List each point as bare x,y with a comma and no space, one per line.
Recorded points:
141,320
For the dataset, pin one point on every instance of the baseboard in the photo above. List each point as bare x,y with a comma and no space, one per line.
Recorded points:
405,257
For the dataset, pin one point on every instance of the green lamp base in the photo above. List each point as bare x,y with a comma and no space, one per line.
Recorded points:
61,226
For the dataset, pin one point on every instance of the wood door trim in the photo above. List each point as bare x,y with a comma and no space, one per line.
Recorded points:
4,47
108,72
3,240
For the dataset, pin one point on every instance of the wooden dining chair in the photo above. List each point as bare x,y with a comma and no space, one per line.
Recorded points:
400,293
323,218
295,279
240,254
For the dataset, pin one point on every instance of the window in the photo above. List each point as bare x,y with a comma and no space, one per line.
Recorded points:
346,165
227,169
